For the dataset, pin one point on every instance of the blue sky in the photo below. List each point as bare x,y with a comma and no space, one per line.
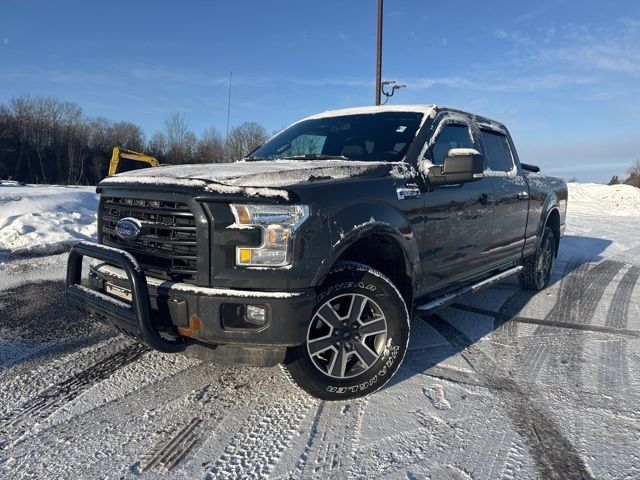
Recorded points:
564,76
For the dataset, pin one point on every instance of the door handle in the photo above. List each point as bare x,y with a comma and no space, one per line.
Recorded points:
523,195
486,198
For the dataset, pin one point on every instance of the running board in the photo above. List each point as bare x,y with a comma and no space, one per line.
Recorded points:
450,298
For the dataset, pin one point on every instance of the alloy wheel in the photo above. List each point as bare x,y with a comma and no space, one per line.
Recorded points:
347,335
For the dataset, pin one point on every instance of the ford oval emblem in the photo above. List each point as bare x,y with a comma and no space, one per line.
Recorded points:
128,228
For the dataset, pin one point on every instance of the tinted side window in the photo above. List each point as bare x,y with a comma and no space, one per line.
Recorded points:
497,151
451,136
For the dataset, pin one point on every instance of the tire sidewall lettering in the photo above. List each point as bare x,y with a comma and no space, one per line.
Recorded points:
345,286
391,353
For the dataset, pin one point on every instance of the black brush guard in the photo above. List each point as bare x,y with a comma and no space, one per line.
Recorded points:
132,319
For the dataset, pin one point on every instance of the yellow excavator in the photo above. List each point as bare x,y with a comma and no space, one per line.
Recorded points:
120,153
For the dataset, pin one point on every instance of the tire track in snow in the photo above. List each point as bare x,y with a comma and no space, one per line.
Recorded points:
613,369
262,439
580,293
511,451
168,455
535,355
211,402
17,422
513,463
577,304
618,314
531,358
596,282
332,440
553,454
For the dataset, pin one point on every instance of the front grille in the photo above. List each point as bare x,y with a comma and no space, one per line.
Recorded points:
167,247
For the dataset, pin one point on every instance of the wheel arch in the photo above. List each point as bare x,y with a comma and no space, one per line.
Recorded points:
379,246
552,220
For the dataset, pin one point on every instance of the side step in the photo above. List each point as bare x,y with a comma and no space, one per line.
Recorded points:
452,297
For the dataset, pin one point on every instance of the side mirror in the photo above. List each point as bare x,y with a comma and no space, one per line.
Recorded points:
461,165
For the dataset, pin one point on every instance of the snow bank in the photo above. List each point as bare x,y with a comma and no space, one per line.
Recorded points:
38,219
596,199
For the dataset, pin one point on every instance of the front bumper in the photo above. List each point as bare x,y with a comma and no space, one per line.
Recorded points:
197,317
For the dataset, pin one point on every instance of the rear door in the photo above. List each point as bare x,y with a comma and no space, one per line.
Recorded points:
457,218
511,194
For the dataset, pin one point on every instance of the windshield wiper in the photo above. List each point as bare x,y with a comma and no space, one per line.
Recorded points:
253,158
315,156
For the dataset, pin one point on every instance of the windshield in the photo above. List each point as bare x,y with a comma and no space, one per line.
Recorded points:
384,136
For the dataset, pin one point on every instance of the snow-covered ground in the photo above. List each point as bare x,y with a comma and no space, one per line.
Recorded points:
38,219
507,384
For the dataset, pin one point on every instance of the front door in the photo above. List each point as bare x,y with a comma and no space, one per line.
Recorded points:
457,218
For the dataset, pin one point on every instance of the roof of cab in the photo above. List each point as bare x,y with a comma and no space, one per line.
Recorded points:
426,109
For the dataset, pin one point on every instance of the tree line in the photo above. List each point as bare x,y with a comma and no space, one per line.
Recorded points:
634,176
45,140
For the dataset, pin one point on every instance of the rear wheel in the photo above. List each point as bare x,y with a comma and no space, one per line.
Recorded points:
357,336
536,273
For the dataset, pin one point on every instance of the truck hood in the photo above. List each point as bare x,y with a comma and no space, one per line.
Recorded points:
262,178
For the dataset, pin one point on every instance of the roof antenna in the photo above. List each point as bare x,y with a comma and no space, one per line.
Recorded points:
229,104
394,86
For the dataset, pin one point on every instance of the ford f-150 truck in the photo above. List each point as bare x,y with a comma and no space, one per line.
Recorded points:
314,251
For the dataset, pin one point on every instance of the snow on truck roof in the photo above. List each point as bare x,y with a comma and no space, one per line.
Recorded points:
429,110
425,109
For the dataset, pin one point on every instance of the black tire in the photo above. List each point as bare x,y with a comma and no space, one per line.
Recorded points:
536,273
360,302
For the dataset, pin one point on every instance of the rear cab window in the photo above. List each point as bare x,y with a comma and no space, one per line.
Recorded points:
497,151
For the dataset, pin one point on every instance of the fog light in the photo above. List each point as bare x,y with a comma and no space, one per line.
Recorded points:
256,314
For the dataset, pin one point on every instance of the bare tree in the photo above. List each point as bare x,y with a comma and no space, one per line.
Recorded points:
245,138
305,144
634,169
127,135
211,147
157,145
180,140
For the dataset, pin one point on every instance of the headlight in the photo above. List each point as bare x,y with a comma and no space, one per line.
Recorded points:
278,223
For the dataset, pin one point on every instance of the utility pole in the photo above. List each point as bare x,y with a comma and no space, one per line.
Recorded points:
379,54
229,104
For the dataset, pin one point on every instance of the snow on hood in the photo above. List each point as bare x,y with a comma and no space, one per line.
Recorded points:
262,178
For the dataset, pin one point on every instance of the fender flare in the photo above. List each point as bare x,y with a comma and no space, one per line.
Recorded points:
385,221
551,203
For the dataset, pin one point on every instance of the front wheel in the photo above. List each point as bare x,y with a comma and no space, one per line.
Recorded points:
357,336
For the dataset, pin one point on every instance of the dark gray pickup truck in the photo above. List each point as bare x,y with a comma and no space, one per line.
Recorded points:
314,251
